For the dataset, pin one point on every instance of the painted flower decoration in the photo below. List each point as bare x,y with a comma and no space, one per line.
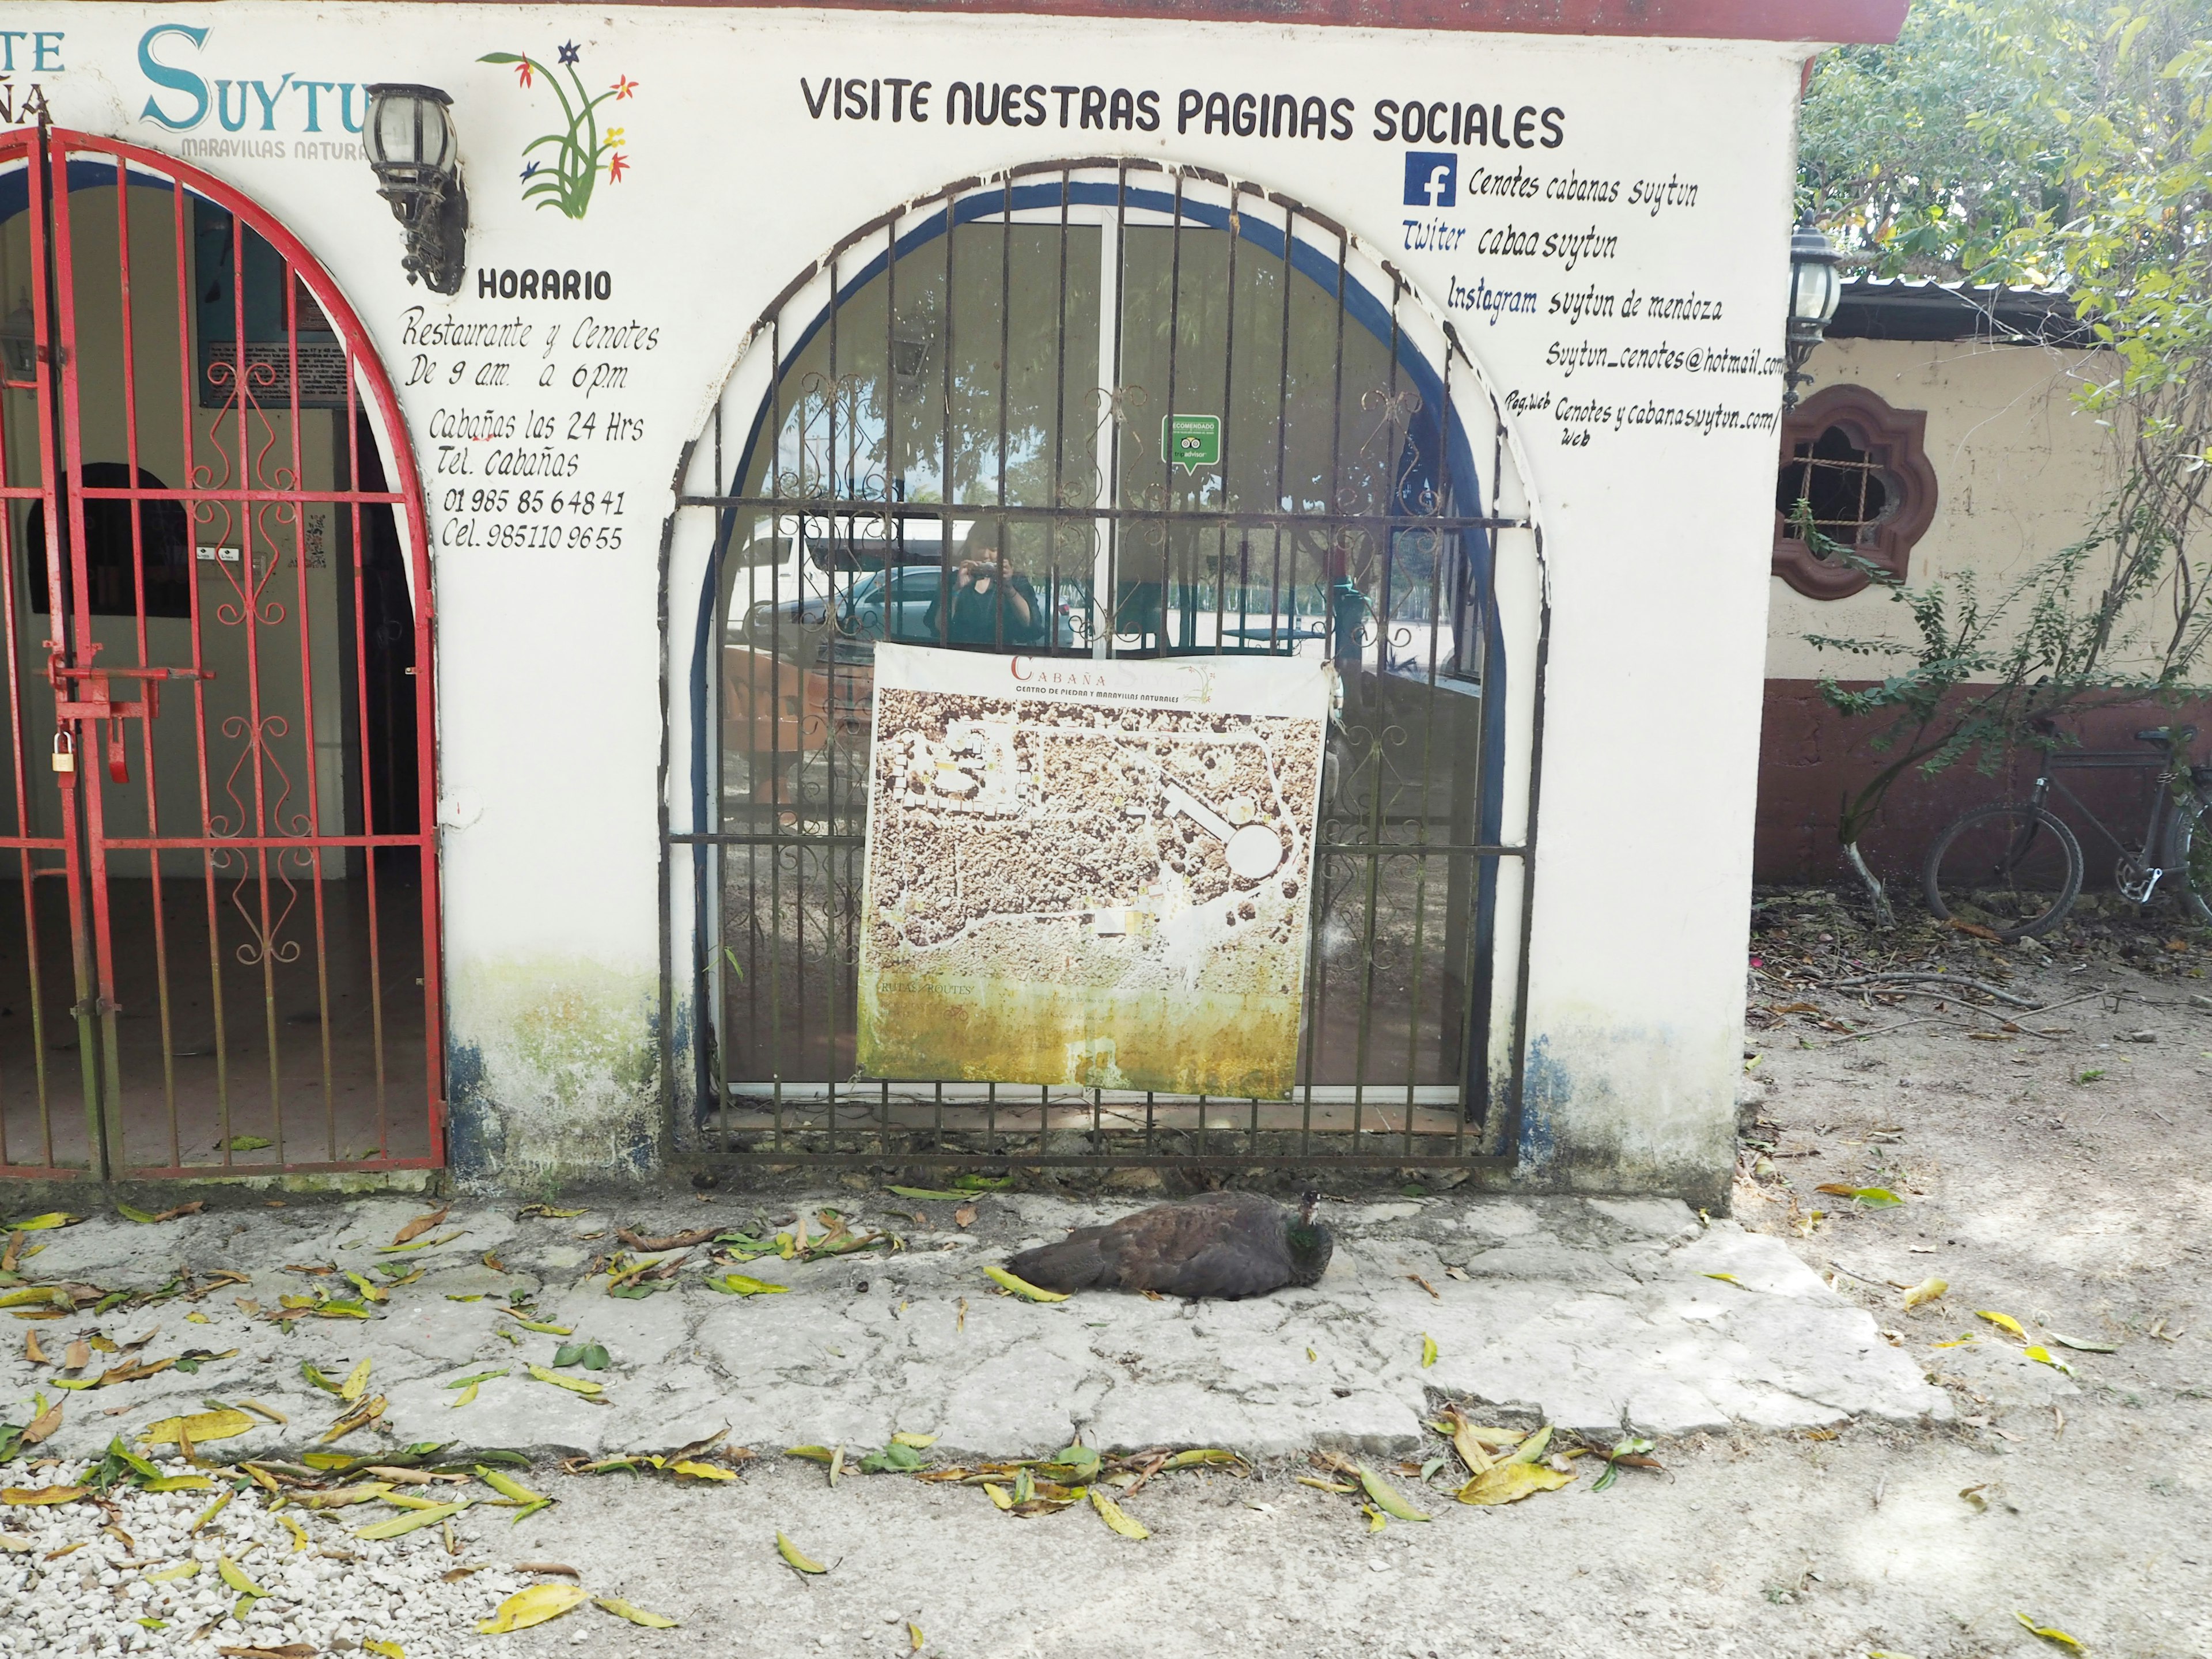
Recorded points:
560,166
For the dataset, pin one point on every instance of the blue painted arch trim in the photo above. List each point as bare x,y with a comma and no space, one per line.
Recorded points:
16,184
1363,307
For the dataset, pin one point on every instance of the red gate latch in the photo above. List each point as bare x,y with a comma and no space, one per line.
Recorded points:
97,703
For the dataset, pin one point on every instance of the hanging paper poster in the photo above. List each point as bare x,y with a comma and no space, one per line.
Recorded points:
1091,872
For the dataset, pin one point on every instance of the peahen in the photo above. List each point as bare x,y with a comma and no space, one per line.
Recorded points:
1224,1244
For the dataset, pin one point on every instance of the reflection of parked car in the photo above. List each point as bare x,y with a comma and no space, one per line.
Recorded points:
783,722
889,605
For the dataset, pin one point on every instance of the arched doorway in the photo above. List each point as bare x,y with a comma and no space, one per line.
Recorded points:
220,949
990,374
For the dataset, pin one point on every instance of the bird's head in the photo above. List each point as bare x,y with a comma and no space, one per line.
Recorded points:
1310,1243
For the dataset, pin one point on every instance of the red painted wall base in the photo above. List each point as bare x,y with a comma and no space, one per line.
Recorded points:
1809,756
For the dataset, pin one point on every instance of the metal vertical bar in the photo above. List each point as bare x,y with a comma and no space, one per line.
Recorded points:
368,803
1167,528
774,930
35,497
1058,498
1001,555
96,1015
1230,446
256,731
310,761
138,512
1106,447
188,378
832,972
947,491
1389,505
713,1019
893,580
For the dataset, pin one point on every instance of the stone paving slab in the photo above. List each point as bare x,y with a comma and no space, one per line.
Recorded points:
1592,1313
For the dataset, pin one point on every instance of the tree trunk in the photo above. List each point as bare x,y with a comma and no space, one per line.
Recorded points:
1883,915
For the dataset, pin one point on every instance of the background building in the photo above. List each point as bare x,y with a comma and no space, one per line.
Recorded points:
451,753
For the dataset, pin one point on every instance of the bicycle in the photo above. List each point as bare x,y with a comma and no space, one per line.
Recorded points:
2015,867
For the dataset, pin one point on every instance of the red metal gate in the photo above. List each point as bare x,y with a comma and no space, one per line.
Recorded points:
222,952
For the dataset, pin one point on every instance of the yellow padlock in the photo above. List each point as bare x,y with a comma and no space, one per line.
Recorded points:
64,752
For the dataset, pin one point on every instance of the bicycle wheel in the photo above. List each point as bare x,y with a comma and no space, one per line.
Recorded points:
2189,859
2013,868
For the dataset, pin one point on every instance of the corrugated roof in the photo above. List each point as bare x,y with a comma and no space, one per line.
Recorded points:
1915,308
1841,23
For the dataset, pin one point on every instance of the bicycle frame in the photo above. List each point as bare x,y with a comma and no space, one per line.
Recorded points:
2137,876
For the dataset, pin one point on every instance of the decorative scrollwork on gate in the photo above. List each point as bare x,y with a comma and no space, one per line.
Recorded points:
256,735
263,944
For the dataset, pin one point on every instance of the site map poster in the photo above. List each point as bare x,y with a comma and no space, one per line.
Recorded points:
1091,872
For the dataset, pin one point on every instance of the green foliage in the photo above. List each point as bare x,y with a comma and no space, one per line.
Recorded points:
1985,674
1921,158
2051,144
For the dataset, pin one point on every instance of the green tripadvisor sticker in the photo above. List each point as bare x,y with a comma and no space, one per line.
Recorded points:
1191,441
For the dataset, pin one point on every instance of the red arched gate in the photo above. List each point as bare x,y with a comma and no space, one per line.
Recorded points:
220,949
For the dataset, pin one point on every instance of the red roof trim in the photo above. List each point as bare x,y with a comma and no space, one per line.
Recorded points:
1842,22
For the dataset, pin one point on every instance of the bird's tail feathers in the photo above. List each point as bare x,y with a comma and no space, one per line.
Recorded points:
1076,1263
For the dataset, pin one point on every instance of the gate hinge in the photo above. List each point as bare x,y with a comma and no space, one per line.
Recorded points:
92,1006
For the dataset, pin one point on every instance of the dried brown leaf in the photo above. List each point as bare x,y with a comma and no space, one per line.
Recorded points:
673,1241
421,1224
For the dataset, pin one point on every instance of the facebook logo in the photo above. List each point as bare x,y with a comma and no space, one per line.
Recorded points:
1431,179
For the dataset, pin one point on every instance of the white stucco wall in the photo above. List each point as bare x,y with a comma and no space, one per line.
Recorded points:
1655,535
2019,469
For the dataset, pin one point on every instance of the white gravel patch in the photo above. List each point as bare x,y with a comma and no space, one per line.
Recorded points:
330,1594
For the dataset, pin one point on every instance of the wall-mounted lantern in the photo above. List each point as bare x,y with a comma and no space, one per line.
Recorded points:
1815,291
409,136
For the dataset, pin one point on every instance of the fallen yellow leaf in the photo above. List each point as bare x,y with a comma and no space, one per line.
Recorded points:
1022,1287
703,1471
789,1552
400,1525
1116,1516
356,1382
2002,1321
26,1497
534,1606
1509,1483
635,1614
2050,1633
1926,1291
574,1384
235,1576
200,1427
1428,1351
1387,1497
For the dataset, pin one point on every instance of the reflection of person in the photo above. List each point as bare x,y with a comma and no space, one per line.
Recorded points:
992,605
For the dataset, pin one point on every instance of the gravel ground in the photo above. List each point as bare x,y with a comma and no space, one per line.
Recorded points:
2056,1178
105,1579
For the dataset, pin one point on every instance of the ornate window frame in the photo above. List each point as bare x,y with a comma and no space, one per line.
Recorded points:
1893,438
